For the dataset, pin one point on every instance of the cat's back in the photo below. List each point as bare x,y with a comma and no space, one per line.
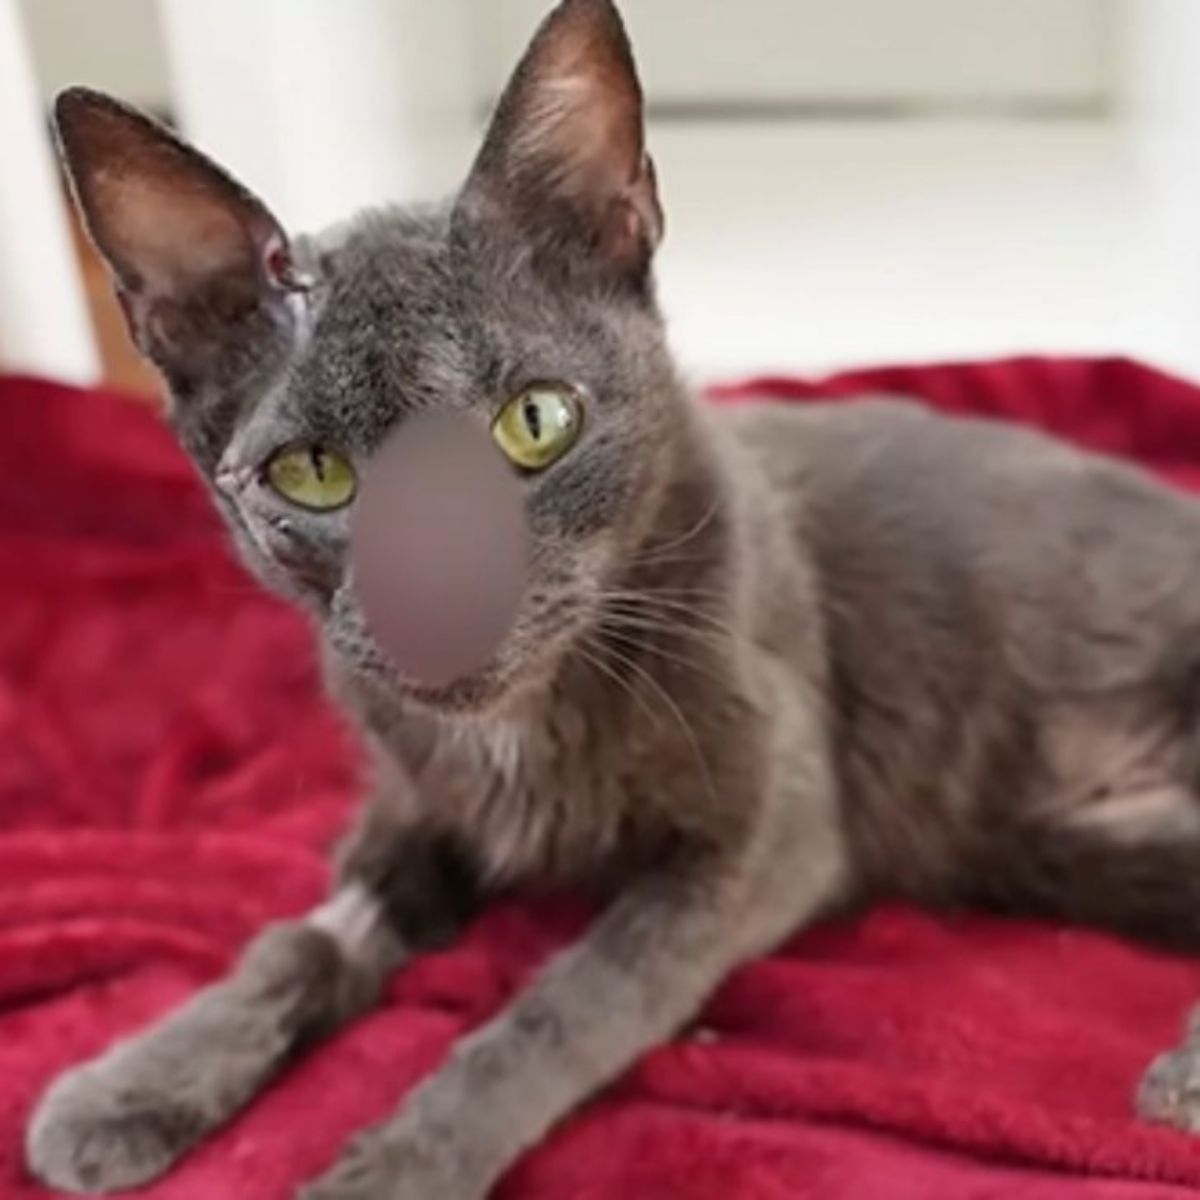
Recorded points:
1015,538
814,451
1004,495
976,582
948,550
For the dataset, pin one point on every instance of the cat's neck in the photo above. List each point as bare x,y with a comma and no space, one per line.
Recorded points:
671,598
686,542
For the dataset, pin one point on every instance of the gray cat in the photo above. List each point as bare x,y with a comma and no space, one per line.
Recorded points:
770,661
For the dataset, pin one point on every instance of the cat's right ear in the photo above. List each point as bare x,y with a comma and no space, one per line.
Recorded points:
194,256
564,168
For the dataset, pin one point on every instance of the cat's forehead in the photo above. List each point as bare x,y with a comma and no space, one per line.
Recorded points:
405,317
386,332
386,283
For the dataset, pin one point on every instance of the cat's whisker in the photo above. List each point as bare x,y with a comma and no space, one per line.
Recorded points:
669,628
701,600
655,552
646,593
713,593
713,634
674,708
591,653
631,640
650,623
687,614
670,560
669,609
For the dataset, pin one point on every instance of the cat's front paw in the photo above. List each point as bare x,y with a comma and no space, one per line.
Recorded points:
91,1134
389,1165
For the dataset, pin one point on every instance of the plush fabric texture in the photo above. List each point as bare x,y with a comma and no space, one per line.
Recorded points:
170,779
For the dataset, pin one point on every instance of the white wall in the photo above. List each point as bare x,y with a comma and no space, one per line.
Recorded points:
709,50
1161,89
790,244
1161,59
322,106
44,326
114,45
913,51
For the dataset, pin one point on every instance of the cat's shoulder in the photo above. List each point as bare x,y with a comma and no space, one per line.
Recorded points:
767,421
786,440
889,437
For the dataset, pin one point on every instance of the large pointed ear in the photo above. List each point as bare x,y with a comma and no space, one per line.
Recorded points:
564,162
194,256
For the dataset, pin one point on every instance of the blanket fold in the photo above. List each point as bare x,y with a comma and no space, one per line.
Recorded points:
171,779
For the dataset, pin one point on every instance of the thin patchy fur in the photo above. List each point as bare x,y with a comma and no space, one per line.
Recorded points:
769,661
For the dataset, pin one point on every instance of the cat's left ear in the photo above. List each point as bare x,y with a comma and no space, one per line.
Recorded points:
564,163
197,261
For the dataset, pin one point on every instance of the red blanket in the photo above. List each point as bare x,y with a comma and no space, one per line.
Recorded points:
170,778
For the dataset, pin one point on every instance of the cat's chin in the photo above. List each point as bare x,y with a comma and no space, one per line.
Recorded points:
472,696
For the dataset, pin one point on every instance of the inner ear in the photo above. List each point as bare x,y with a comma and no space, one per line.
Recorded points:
191,251
564,159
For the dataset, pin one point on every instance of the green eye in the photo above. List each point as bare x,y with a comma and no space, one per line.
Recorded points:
312,477
538,426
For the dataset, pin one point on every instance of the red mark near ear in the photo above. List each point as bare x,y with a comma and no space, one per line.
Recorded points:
281,271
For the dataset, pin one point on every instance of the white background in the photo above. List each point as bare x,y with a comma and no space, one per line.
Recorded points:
859,180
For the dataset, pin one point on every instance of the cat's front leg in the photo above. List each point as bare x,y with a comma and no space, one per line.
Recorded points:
124,1118
641,972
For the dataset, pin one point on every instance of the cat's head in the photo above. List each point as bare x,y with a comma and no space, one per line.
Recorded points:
525,301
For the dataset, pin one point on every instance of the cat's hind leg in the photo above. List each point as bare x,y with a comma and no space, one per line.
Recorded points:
1161,886
1130,863
1169,1091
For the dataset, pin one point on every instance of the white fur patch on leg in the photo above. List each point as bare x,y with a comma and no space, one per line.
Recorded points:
1167,812
354,918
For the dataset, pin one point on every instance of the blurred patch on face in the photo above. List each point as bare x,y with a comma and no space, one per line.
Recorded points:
439,547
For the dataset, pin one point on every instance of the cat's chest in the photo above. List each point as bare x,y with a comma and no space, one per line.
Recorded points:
545,802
